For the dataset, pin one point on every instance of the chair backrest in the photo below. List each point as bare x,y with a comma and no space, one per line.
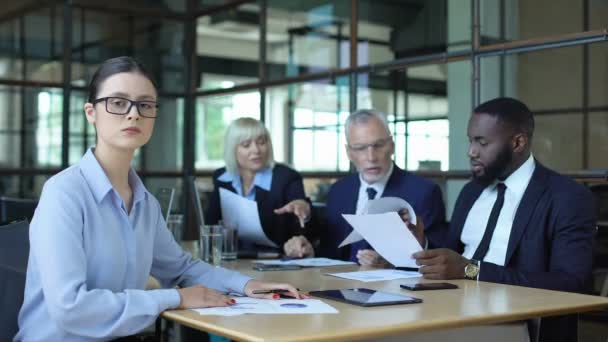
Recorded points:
16,208
196,199
600,194
14,252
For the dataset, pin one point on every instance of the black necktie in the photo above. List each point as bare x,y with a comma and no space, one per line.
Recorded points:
371,193
484,245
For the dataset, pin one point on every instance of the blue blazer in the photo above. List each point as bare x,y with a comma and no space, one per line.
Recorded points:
424,196
286,186
550,242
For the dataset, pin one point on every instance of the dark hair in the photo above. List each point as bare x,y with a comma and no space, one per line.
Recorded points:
114,66
510,111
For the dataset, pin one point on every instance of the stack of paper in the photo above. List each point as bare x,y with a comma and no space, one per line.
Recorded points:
377,275
308,262
246,305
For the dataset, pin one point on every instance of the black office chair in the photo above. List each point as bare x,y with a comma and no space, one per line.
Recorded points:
14,252
16,208
600,243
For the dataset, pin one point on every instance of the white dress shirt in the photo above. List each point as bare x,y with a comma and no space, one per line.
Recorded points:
477,219
378,186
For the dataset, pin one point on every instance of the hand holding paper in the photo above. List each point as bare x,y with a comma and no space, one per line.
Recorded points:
387,204
388,235
380,206
369,257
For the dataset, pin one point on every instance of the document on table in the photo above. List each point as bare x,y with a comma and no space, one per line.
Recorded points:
388,235
380,206
376,275
246,305
307,262
243,214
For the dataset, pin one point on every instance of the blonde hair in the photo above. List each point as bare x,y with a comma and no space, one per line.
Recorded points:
238,131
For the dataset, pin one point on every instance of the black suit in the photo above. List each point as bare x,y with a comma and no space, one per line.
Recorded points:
550,242
286,186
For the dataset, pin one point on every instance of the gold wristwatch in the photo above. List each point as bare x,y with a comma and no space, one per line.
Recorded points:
471,270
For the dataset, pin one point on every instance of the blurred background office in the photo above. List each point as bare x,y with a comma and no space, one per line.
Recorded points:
301,66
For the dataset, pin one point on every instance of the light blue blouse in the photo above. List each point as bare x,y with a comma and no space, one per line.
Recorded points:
263,179
90,260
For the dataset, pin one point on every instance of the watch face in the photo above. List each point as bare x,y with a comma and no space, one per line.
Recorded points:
471,270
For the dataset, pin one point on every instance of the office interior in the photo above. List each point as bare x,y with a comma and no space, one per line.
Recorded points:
301,66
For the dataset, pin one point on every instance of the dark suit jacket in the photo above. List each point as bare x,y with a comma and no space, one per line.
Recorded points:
550,242
285,187
424,196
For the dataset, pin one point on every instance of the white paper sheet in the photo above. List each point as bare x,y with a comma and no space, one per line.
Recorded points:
380,206
388,235
243,214
376,275
307,262
387,204
351,238
245,305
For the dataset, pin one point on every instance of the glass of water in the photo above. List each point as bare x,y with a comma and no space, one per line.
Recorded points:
211,244
229,249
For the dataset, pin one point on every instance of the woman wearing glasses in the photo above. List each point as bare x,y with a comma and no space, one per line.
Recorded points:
251,172
98,234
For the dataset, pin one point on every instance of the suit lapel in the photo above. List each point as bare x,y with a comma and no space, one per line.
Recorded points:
352,196
227,185
525,210
392,187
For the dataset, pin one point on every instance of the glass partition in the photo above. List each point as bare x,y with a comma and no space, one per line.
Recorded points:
227,47
213,115
305,37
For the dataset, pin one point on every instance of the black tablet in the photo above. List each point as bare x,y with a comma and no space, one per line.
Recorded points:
365,297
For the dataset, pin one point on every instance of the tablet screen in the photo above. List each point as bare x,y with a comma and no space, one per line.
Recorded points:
365,297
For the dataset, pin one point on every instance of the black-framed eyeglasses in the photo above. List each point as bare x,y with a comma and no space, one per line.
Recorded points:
122,106
377,145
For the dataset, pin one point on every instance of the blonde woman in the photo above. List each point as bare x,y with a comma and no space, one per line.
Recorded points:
251,172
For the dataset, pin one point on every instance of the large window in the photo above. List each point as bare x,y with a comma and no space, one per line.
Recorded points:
48,129
306,121
302,66
213,115
428,145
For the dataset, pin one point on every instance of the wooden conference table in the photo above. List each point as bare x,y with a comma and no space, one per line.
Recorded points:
473,303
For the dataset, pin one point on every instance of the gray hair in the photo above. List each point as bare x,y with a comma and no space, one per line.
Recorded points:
362,116
238,131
